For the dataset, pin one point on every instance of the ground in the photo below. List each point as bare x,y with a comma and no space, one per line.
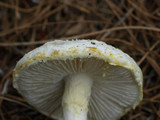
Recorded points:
130,25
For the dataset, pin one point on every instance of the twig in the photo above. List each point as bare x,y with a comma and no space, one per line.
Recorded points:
147,53
83,35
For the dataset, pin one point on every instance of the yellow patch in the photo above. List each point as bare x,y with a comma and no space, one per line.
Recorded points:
38,56
55,53
25,64
74,51
94,50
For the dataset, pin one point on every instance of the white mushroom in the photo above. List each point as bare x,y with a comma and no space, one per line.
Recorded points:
79,80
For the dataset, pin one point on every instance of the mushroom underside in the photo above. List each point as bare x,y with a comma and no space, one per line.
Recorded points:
114,89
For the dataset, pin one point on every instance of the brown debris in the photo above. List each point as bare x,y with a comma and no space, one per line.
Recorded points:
131,25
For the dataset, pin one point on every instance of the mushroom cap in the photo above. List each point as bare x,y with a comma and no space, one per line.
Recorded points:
117,79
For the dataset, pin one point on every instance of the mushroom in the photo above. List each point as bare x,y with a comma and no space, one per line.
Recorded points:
79,80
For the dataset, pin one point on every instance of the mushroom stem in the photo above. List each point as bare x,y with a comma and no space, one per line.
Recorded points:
76,97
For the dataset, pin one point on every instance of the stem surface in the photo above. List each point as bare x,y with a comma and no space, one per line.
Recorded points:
76,97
